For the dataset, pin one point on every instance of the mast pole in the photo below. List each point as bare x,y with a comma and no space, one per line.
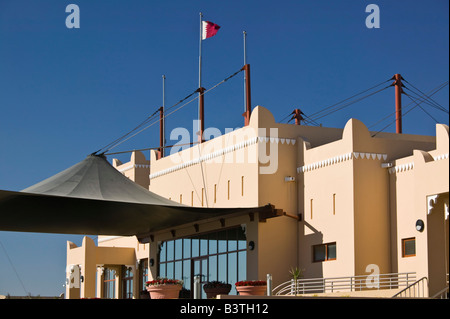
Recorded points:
201,114
398,103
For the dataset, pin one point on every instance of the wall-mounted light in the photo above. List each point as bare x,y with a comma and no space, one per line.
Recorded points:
251,245
289,179
152,262
420,225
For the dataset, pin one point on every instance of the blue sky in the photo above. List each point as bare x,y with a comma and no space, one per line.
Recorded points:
65,93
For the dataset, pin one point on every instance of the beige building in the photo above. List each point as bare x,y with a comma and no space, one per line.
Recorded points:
348,204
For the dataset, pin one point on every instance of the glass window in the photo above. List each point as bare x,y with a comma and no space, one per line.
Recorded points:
218,255
242,244
212,243
212,268
324,252
162,252
319,253
143,273
169,273
232,239
178,249
204,271
170,250
203,247
187,274
232,271
242,264
109,283
222,241
178,270
127,283
222,267
331,251
195,248
162,270
409,247
186,248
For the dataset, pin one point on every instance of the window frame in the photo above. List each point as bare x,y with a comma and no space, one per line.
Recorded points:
404,241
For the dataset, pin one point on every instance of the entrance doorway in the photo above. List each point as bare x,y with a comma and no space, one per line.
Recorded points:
215,256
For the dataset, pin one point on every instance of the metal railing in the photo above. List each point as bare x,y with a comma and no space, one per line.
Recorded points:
418,289
443,294
343,284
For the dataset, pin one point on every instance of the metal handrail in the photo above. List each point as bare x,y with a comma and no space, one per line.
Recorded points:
349,283
416,287
443,294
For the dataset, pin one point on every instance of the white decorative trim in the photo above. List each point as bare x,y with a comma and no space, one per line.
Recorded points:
133,166
401,168
223,151
410,165
431,201
373,156
440,157
100,268
339,159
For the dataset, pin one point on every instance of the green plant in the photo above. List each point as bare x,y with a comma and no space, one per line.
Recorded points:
296,273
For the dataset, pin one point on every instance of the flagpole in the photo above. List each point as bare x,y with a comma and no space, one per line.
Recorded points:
200,54
164,111
245,62
200,74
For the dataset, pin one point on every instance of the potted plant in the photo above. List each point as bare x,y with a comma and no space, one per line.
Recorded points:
163,288
251,287
214,288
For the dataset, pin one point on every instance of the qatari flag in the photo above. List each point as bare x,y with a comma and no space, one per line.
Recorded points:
209,29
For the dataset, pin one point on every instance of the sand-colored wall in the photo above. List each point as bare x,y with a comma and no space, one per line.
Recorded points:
89,257
347,186
413,180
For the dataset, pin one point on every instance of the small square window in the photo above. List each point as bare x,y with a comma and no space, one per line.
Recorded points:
409,247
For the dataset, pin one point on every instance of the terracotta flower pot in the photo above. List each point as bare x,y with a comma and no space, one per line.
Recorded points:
214,291
251,290
164,291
